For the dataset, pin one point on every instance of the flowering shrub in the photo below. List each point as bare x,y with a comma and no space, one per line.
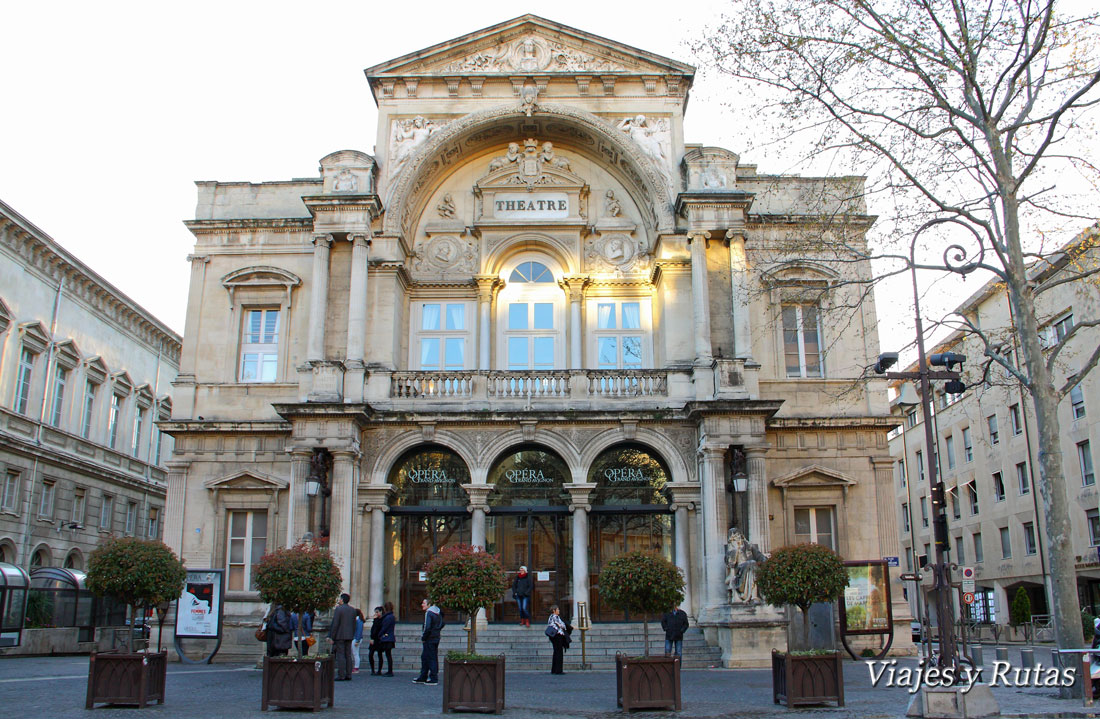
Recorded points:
466,579
641,583
302,578
136,572
802,574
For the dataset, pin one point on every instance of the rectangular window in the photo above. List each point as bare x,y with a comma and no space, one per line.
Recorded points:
11,491
953,497
60,377
153,527
1092,518
531,350
901,473
86,414
1006,544
131,516
959,553
1084,457
247,543
924,512
1077,402
1023,482
139,419
949,442
991,427
905,516
107,514
814,525
23,380
443,336
972,494
155,459
77,516
802,339
1014,419
998,487
908,559
260,346
619,335
920,466
1062,326
112,420
911,418
1029,538
979,550
968,445
49,492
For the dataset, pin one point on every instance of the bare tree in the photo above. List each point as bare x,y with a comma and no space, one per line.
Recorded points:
965,114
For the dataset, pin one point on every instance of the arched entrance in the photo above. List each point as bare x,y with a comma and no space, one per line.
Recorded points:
529,525
428,512
629,512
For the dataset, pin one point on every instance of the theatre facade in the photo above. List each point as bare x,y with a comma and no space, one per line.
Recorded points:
536,321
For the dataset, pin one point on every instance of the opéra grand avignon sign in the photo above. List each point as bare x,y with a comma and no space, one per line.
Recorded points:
430,476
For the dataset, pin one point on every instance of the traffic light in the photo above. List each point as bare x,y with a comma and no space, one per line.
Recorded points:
939,499
947,360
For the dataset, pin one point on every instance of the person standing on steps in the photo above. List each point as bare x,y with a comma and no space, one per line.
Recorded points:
341,633
387,639
429,655
558,631
374,646
675,623
522,586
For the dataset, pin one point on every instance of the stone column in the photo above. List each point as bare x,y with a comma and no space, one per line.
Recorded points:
343,480
579,506
680,532
574,287
714,540
318,298
298,503
479,503
357,298
739,275
700,296
376,498
759,529
486,289
176,497
193,322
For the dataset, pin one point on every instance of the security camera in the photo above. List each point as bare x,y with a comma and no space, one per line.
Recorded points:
947,360
886,360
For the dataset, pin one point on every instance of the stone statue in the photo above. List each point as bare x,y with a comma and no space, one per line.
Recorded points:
741,560
345,182
510,157
318,467
408,136
712,178
549,158
611,206
529,99
649,136
446,209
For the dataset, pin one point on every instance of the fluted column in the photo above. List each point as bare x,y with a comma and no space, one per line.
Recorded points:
486,289
759,533
714,545
344,478
298,503
357,298
318,298
176,498
700,296
574,287
739,276
193,323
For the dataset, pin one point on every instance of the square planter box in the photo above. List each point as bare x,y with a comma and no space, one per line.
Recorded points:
474,685
115,678
647,682
306,684
807,679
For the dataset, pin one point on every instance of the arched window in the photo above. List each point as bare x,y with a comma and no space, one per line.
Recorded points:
40,559
628,474
531,272
527,476
532,315
429,476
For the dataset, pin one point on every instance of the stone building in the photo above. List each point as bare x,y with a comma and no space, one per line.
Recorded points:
84,377
536,321
988,452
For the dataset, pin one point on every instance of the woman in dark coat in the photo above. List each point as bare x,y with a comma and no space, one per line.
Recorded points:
279,636
522,586
387,639
558,631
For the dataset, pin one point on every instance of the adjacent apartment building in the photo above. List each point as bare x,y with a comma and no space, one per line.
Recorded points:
85,374
987,451
539,321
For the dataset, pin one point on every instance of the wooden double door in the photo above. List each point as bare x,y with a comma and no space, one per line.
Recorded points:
541,541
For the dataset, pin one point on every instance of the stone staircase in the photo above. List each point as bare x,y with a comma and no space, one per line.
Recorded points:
528,648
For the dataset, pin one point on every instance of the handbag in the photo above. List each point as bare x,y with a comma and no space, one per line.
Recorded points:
551,631
311,640
261,633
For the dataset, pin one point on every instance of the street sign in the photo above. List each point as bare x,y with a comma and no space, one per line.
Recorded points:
967,572
968,586
968,597
891,561
911,577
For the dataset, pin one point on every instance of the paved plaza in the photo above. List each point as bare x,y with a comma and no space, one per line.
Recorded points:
54,687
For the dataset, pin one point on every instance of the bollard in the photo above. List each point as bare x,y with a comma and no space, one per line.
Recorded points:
1002,654
1027,658
976,654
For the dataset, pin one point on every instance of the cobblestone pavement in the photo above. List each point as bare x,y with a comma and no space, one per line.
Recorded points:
54,687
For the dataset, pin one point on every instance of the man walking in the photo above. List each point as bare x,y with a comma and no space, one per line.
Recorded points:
675,623
342,632
429,655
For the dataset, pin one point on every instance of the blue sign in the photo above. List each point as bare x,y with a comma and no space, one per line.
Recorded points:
891,561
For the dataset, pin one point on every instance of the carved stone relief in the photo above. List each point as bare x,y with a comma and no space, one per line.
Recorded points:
654,137
532,54
406,137
615,252
445,253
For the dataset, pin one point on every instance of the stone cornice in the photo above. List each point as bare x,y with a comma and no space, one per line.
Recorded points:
660,267
817,219
41,252
817,423
282,224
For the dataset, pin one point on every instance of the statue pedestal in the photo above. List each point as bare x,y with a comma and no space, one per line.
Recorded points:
747,633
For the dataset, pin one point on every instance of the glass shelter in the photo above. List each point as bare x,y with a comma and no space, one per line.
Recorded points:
14,583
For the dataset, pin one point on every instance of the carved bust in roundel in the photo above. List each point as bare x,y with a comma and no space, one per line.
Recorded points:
616,252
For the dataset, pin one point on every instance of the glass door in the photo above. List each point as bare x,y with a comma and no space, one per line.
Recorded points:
613,534
540,542
416,539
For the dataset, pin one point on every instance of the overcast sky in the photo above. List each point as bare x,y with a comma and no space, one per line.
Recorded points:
112,110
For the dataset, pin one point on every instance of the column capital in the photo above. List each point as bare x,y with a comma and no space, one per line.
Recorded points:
684,494
346,453
376,495
579,493
697,234
479,495
575,286
712,453
756,451
359,239
322,240
198,259
487,286
736,234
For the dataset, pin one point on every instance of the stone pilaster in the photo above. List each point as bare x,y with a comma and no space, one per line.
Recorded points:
298,504
739,276
377,496
487,286
759,528
318,298
357,318
714,540
345,477
176,498
579,493
700,297
574,286
685,500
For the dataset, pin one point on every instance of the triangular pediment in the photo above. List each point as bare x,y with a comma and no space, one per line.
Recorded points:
529,44
244,480
814,476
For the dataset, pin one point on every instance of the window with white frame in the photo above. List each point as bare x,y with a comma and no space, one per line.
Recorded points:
152,527
802,339
979,550
991,428
139,420
998,487
905,516
1029,538
1077,402
247,543
260,346
1084,458
1023,481
920,466
924,512
46,501
131,517
114,415
1092,518
621,333
10,500
532,313
1006,543
1014,419
107,513
23,377
908,559
968,445
443,335
814,525
1062,326
87,412
972,495
953,499
901,473
949,444
960,555
77,514
911,418
57,404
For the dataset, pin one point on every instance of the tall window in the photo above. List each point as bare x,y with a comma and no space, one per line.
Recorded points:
88,409
260,346
924,512
1022,480
911,419
998,487
1029,538
920,466
949,442
1014,417
1062,326
960,555
802,339
1084,457
814,525
1092,518
1006,544
131,516
979,550
60,378
972,494
23,380
443,336
77,515
905,516
247,543
953,498
991,426
901,473
112,420
107,513
619,335
49,493
10,499
152,529
968,445
1077,402
139,420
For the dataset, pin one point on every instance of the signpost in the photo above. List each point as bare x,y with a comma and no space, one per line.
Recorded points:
199,610
968,597
865,608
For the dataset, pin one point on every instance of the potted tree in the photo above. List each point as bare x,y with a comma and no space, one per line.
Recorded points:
644,583
802,575
137,573
465,578
302,578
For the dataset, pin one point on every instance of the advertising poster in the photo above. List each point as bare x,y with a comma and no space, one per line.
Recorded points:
198,611
866,607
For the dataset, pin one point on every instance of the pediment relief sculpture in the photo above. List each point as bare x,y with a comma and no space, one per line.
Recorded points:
247,480
536,164
406,137
531,54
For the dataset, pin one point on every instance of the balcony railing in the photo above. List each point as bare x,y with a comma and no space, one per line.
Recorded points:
529,385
